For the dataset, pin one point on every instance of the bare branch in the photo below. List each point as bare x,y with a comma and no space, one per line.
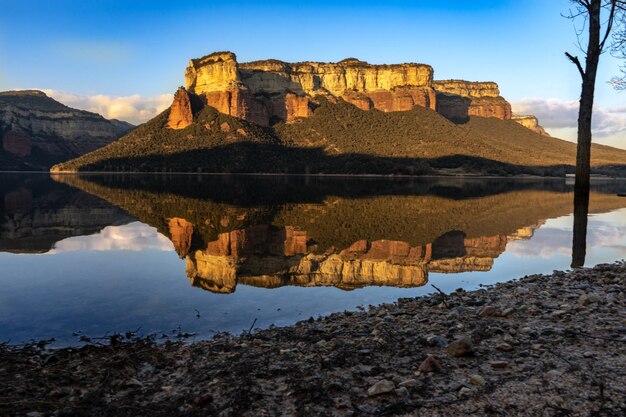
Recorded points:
609,24
576,62
618,83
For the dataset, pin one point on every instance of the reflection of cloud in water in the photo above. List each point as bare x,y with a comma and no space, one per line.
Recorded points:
555,237
134,236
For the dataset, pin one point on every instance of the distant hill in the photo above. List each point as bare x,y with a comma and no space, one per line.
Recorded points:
37,131
340,138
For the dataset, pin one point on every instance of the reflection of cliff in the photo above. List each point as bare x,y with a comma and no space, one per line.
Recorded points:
37,212
266,257
283,256
388,237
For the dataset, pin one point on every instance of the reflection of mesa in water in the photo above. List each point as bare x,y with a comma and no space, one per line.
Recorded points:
220,224
269,257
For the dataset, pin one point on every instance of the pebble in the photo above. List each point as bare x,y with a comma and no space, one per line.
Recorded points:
476,379
521,290
589,298
60,392
499,364
408,383
488,311
461,347
430,364
381,387
553,375
437,341
465,392
132,382
504,347
402,392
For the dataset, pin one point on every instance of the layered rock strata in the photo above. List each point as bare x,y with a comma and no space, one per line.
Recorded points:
270,91
530,122
457,100
31,121
267,91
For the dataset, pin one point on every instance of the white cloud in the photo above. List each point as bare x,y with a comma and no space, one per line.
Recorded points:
134,236
134,109
559,117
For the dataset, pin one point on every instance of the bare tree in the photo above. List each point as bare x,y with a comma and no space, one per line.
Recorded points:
598,34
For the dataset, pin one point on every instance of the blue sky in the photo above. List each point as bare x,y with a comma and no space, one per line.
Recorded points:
113,50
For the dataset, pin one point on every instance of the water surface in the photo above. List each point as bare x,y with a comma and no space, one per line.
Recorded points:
99,254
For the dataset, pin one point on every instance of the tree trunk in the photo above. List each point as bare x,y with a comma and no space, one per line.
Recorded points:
583,150
579,241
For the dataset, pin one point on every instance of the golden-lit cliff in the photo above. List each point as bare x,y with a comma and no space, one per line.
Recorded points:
271,90
264,91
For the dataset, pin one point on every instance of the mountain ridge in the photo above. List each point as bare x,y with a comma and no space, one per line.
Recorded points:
37,131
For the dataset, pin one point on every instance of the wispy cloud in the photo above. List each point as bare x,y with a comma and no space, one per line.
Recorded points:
92,52
559,117
134,109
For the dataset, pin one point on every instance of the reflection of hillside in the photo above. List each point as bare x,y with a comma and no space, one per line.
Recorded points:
37,212
401,237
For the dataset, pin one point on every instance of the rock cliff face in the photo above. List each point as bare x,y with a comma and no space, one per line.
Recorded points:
40,131
268,91
265,92
458,100
530,122
181,113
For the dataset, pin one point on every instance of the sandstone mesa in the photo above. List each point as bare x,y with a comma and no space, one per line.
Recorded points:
270,91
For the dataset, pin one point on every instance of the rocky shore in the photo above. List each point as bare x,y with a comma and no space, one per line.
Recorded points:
539,346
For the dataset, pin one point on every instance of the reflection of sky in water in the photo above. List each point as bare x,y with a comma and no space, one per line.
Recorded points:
606,239
135,236
127,277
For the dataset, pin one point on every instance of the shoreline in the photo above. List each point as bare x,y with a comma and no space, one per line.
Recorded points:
468,176
540,345
272,174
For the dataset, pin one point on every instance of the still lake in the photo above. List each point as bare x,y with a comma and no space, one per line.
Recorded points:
97,254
